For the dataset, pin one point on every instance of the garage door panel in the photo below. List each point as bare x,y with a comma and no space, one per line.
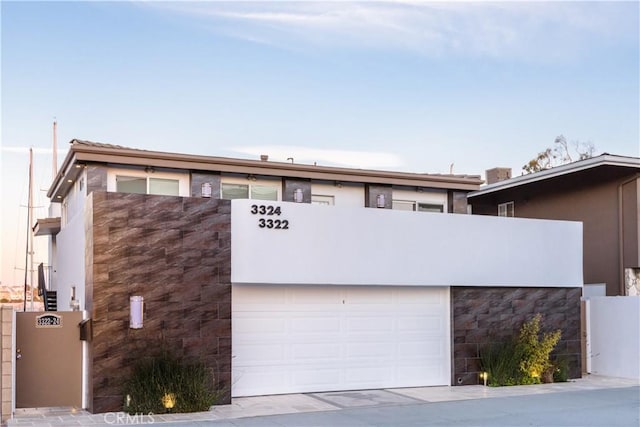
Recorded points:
312,379
312,325
259,325
370,323
369,350
363,296
316,351
261,295
420,323
368,376
422,348
329,338
316,296
260,353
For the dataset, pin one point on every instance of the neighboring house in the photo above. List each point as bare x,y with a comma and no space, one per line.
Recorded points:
277,292
602,192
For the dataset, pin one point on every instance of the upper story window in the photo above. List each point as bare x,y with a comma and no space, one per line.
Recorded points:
430,207
408,205
144,185
317,199
249,191
506,209
404,205
148,181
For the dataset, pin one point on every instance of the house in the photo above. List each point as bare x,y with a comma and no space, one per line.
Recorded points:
243,266
602,192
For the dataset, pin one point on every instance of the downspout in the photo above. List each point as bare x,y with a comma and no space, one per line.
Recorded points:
621,233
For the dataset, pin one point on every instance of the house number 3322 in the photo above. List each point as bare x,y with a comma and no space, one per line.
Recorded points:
269,210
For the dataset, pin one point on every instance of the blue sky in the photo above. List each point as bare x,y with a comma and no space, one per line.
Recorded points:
403,85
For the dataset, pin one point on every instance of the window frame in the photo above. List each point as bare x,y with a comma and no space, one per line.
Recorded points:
323,200
232,180
183,179
506,208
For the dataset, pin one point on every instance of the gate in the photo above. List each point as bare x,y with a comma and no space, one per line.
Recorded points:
48,359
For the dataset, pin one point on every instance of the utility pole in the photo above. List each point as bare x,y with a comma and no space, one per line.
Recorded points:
29,249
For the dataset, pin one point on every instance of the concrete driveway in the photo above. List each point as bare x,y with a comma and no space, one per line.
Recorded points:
589,401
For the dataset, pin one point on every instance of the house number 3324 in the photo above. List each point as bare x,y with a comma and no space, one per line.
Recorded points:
270,211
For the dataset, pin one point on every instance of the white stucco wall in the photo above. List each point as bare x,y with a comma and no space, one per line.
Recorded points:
73,203
70,267
363,246
614,324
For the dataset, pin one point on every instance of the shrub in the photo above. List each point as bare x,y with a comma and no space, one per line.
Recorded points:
164,384
502,363
535,351
523,360
561,369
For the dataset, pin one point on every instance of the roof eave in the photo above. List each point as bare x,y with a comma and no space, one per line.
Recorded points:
603,160
82,153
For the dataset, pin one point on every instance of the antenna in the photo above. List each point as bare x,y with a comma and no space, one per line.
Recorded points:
55,148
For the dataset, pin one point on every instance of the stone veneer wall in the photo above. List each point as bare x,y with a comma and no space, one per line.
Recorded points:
176,253
482,315
290,185
371,193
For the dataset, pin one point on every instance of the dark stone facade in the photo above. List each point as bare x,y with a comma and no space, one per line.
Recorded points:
457,201
199,178
176,253
371,193
482,315
96,178
290,185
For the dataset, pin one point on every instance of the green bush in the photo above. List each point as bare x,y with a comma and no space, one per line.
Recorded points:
561,369
535,351
502,363
523,360
164,384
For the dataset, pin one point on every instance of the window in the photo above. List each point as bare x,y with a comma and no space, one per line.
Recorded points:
264,192
430,207
141,185
404,205
506,209
243,191
408,205
317,199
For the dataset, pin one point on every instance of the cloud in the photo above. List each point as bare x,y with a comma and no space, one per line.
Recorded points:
325,157
25,150
522,30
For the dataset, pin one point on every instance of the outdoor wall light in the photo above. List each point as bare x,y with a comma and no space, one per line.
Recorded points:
205,189
251,177
298,195
380,200
136,304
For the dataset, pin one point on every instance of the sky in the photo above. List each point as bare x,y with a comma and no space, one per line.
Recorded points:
402,85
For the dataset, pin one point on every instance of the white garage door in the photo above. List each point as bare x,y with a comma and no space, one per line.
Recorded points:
291,339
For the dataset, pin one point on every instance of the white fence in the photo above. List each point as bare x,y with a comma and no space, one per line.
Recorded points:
614,336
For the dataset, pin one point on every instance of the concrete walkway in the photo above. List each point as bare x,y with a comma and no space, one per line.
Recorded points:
590,401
